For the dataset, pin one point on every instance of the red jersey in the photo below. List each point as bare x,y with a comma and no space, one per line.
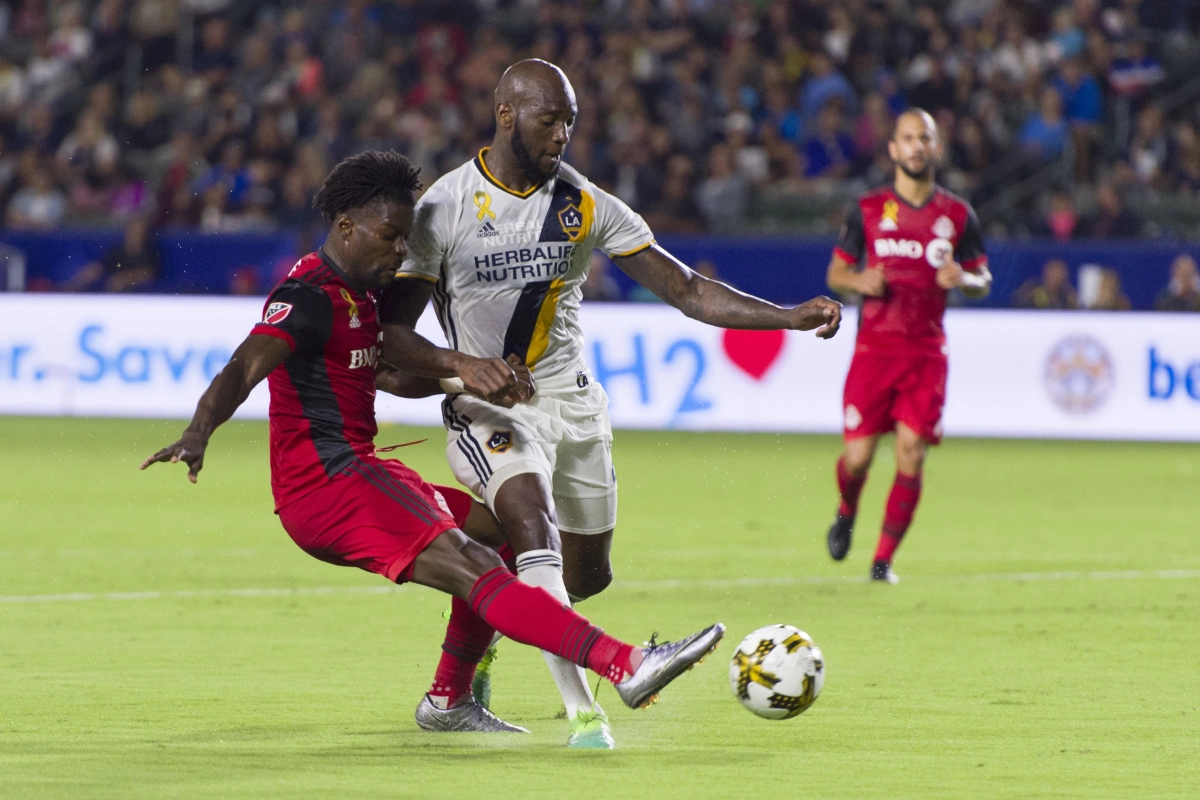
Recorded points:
323,395
910,243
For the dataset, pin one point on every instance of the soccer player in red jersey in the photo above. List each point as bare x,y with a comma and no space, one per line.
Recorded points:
318,347
917,242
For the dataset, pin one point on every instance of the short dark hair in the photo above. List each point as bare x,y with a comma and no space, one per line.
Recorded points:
365,178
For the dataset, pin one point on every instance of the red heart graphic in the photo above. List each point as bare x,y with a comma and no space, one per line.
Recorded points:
753,352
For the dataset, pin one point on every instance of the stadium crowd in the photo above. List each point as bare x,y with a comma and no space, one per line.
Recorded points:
227,115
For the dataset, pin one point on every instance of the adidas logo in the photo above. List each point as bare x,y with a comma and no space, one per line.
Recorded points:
487,229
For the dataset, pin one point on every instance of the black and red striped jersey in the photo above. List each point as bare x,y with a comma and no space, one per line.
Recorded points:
322,408
884,230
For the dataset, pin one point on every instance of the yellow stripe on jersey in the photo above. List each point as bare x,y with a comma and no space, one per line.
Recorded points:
635,250
545,320
422,276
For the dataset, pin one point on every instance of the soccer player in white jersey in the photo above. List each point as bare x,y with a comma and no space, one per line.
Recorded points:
502,244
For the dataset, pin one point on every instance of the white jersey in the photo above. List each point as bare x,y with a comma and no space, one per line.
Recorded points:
509,266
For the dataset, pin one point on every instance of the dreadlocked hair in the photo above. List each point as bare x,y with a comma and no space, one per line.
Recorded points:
365,178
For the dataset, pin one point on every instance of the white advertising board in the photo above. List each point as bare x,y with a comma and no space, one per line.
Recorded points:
1012,373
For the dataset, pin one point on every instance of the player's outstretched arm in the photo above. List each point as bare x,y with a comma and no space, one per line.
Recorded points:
715,303
410,352
251,362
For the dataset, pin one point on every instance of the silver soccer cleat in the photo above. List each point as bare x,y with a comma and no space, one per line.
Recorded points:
665,662
465,717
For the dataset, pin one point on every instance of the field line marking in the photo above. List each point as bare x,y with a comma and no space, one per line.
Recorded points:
665,584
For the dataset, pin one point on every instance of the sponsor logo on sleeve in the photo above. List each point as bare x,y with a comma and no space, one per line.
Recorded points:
277,313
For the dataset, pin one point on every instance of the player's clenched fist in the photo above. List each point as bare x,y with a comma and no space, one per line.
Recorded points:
821,313
189,450
871,282
490,378
950,276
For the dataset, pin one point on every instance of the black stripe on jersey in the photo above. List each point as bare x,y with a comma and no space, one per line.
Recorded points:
441,306
403,495
310,379
565,195
524,319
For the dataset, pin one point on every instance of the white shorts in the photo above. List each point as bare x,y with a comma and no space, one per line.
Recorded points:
563,433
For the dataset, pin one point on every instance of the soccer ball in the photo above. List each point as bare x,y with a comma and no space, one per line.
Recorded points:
777,672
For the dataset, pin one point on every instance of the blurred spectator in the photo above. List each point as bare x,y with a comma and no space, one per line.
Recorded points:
1183,292
1053,291
723,196
824,85
600,286
1083,106
132,265
1061,220
1137,71
1044,135
676,211
1110,296
1111,220
304,84
1148,149
829,152
37,206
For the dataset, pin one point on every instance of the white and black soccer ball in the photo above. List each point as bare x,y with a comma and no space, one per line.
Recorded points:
777,672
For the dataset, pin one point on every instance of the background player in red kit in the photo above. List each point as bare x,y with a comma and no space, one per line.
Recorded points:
318,345
917,242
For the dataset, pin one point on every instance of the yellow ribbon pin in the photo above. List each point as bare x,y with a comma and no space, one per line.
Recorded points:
353,305
483,201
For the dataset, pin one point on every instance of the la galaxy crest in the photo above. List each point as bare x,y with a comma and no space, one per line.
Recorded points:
571,220
501,442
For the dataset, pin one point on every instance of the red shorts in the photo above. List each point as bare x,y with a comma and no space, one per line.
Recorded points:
888,385
378,515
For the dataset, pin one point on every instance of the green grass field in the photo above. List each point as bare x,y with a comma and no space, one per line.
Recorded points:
1043,642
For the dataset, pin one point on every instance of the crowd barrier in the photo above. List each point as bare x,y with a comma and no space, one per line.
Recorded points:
1012,373
785,270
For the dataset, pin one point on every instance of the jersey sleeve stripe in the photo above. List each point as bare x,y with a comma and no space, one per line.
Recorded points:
262,329
974,264
420,275
635,250
844,256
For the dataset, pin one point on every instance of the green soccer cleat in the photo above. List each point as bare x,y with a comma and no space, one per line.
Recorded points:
590,731
481,684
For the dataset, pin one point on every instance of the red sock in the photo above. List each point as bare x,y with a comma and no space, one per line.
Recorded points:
901,505
849,487
531,615
467,638
508,556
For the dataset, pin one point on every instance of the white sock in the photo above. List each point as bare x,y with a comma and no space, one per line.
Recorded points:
544,568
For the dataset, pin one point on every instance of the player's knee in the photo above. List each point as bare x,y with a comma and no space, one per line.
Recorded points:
589,582
857,463
529,522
